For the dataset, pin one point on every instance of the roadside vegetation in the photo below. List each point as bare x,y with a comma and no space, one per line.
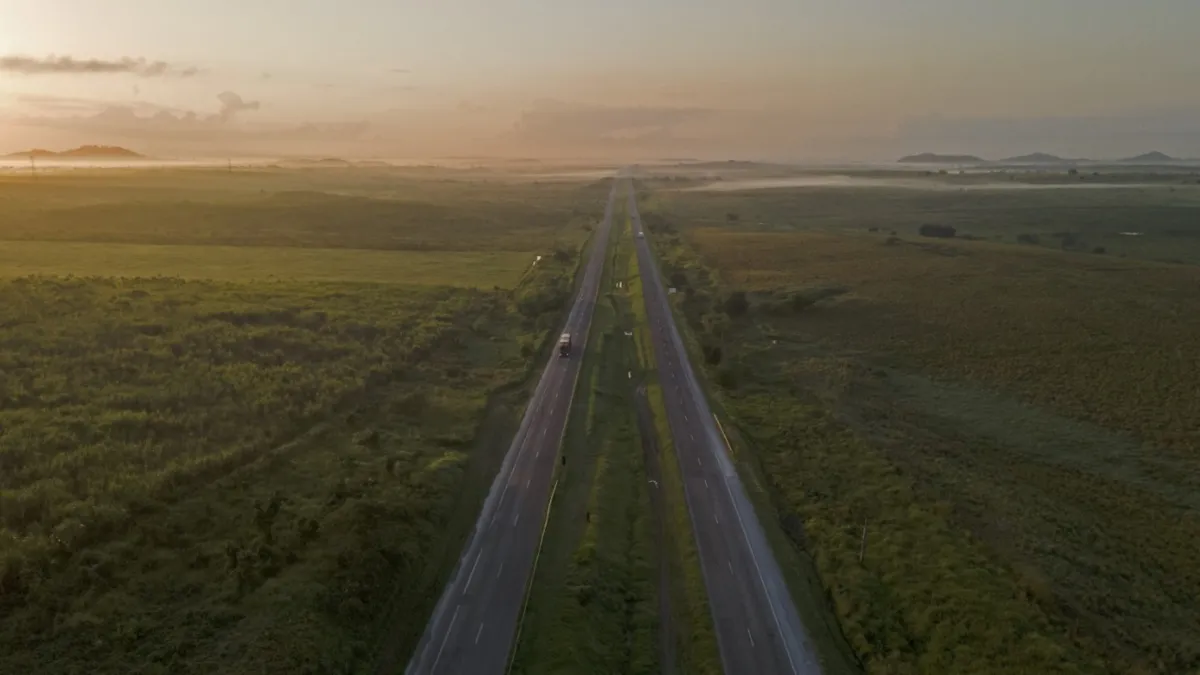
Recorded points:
593,606
214,476
987,450
692,620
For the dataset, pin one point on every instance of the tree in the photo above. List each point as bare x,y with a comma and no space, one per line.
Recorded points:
943,231
736,304
732,217
712,355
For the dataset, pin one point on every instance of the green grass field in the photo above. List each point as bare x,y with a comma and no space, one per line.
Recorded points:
1081,220
241,434
325,209
593,603
471,269
1011,425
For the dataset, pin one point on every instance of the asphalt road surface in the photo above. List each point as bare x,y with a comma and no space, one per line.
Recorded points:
758,629
473,624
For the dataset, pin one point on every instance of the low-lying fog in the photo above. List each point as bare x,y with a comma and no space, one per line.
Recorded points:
931,183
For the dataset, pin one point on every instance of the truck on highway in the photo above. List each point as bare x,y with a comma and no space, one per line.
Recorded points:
564,345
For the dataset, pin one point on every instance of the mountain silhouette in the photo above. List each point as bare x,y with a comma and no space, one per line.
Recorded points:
82,152
1038,158
1151,157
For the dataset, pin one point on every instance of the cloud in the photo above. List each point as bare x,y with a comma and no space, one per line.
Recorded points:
143,121
60,65
51,104
550,121
232,104
59,104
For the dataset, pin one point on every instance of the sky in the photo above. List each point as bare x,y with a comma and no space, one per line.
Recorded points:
753,79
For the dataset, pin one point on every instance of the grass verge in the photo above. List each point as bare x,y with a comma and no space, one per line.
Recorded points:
592,607
697,649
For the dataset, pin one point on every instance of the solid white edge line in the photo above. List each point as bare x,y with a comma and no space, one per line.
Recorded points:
471,576
445,637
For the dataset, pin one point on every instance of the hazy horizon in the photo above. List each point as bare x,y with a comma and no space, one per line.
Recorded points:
767,79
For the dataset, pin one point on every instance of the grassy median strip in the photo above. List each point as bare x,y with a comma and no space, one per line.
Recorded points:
697,648
593,604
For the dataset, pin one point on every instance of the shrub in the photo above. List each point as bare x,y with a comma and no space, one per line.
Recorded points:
943,231
736,304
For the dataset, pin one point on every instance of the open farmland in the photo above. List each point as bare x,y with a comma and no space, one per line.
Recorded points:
1145,215
259,455
315,209
471,269
1006,435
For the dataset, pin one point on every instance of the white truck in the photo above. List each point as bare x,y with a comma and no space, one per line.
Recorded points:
564,345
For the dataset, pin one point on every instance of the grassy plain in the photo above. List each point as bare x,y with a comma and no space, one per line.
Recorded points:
471,269
1045,211
1014,427
235,475
593,605
315,209
692,621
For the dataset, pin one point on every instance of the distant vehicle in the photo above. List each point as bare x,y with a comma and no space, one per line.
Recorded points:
564,345
641,235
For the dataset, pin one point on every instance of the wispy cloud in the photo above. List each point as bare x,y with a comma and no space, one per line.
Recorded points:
66,65
146,121
57,105
232,104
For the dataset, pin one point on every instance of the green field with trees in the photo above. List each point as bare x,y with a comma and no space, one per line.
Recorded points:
1118,213
261,476
986,450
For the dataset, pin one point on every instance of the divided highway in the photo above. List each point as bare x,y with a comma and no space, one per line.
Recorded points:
474,623
758,629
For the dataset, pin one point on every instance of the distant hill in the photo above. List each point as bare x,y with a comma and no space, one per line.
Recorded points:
931,158
1151,157
1038,158
82,152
